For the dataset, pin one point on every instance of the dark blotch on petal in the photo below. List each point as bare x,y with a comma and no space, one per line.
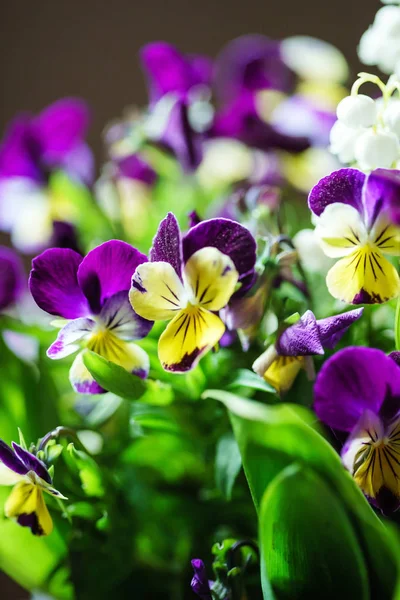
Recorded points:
386,501
30,520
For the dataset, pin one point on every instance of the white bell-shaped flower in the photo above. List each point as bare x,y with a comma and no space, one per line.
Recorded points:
343,140
392,116
376,149
357,111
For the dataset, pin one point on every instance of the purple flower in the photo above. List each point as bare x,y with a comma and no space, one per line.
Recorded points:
135,167
12,277
30,479
92,294
180,111
187,281
34,147
249,64
280,364
355,225
358,391
200,583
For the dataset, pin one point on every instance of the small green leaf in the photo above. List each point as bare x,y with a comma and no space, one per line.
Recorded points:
88,470
114,378
246,378
227,464
293,319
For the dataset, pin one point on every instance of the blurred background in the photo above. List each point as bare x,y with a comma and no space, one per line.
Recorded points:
90,49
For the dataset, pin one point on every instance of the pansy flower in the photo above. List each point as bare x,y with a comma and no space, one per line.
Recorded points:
358,392
92,294
280,364
180,111
188,281
12,277
30,479
355,226
200,583
33,148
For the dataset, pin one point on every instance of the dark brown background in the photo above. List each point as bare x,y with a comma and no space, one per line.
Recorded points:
53,48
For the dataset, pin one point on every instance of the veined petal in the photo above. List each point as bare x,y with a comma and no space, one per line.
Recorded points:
81,380
157,293
9,477
283,371
66,342
340,230
212,277
188,337
343,186
386,236
27,505
167,244
125,354
121,320
363,277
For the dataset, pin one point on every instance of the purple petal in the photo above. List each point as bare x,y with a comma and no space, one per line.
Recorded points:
240,120
167,244
168,70
32,463
199,583
61,127
119,317
134,167
19,151
179,137
301,339
352,381
382,192
332,329
69,335
12,277
230,238
79,164
54,283
81,380
64,236
107,270
345,185
11,461
250,63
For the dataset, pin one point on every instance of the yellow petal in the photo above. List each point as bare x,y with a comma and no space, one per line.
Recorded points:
188,337
340,230
125,354
27,505
161,293
283,371
212,276
365,276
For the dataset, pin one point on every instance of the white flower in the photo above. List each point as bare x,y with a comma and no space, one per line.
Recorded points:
376,149
380,44
343,140
357,111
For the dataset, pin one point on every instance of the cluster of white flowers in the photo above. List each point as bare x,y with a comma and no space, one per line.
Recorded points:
367,132
380,44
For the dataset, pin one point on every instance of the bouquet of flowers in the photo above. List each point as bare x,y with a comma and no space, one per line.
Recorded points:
200,376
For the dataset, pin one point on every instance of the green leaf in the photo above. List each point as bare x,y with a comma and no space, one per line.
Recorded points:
88,470
114,378
271,438
307,541
246,378
227,464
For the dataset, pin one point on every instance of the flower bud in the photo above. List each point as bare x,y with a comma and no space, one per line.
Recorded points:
374,150
357,111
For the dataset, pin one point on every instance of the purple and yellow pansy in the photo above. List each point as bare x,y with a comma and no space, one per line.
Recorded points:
280,364
357,391
91,293
30,478
355,224
188,280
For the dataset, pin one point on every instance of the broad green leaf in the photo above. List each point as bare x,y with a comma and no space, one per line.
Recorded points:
88,470
309,548
114,378
227,464
271,438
